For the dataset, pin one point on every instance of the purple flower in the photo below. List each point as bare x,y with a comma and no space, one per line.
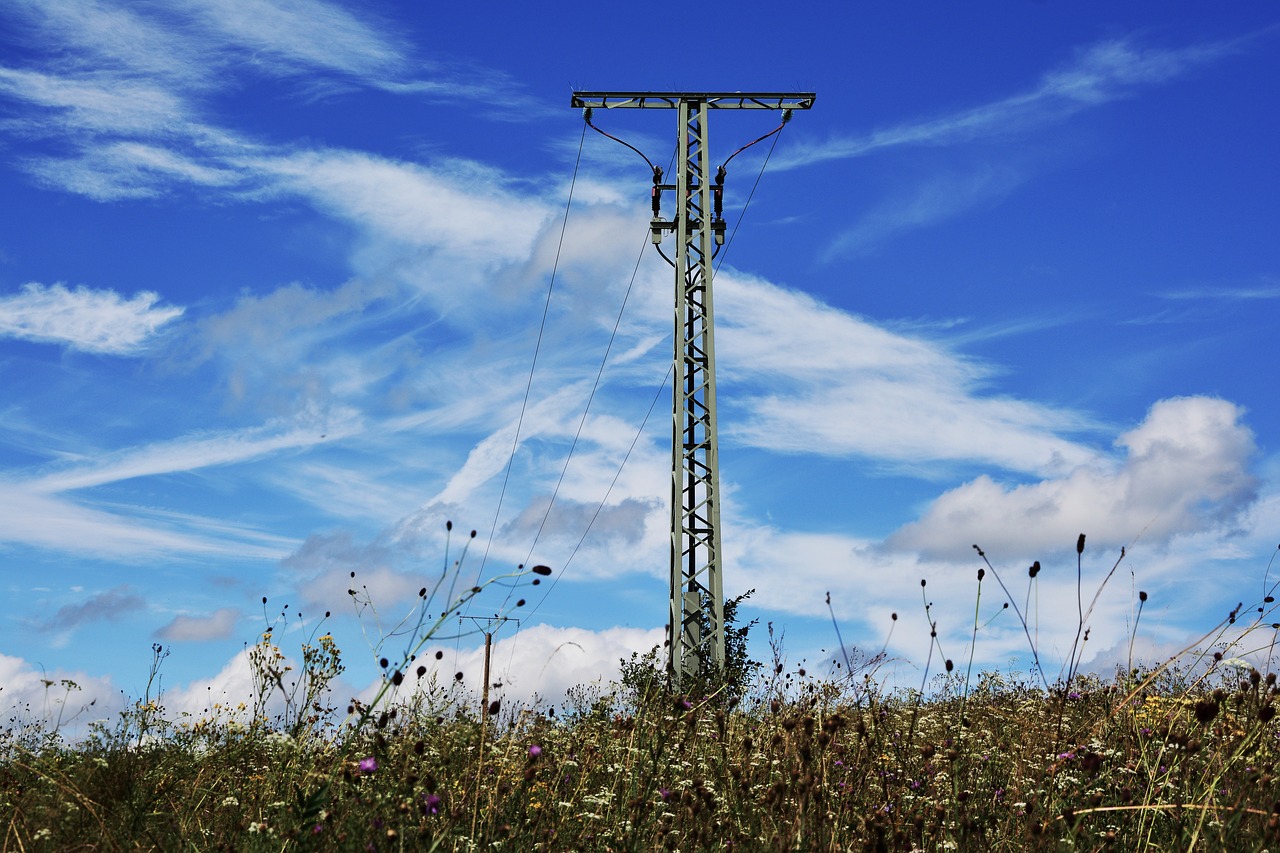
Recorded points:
664,793
431,804
535,751
368,765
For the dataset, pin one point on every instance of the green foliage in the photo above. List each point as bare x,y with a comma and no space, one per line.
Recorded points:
1180,756
643,676
1001,766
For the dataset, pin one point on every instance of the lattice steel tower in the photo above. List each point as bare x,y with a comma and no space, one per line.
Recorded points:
697,588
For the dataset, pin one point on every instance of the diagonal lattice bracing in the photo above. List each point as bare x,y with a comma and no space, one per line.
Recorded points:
695,625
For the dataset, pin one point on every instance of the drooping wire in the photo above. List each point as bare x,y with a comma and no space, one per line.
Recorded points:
786,116
582,421
671,368
719,251
590,398
608,491
586,116
524,405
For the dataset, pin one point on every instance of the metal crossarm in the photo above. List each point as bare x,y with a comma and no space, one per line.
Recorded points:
713,100
696,623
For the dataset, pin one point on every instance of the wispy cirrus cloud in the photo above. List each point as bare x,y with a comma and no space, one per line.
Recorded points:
936,200
56,523
92,103
814,379
1104,72
1267,289
295,35
192,453
96,321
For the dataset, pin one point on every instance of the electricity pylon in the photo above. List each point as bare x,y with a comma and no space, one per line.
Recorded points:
697,584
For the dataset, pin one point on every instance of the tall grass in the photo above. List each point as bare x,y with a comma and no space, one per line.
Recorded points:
1177,756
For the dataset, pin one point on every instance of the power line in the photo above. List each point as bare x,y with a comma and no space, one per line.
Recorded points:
657,396
608,491
536,349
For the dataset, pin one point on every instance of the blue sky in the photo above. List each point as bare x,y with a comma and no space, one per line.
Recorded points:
272,274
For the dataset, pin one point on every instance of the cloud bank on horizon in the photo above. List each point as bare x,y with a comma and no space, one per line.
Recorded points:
333,354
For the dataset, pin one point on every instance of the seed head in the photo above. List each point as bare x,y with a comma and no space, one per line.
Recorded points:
1206,710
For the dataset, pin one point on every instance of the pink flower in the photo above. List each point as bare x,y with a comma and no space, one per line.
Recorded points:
368,765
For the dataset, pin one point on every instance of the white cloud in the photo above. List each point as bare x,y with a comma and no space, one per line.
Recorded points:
96,103
99,321
1186,470
218,625
465,211
65,699
109,605
1106,71
546,661
234,684
45,521
814,379
200,451
114,40
936,200
300,34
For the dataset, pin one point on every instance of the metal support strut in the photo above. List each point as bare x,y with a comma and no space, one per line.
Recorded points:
696,621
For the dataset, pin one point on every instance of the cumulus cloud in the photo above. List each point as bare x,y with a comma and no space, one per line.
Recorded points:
233,685
68,698
1185,470
547,661
97,321
218,625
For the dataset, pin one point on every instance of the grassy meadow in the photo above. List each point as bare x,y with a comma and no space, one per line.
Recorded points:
1179,756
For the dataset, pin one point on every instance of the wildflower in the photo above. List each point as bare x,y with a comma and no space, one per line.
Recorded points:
368,765
431,804
535,751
